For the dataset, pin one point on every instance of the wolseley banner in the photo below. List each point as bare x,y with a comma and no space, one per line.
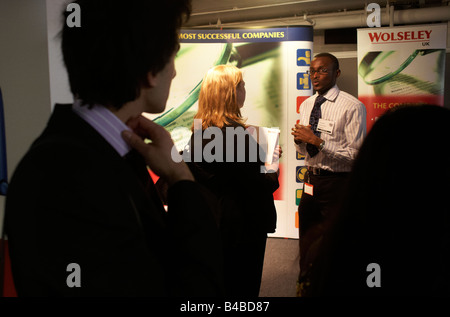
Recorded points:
400,65
275,64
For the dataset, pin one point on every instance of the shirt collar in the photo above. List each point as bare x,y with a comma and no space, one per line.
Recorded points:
331,94
105,123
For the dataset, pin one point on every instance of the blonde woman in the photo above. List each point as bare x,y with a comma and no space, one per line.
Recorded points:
231,168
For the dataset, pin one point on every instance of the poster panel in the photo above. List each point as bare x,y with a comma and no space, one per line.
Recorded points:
274,62
404,64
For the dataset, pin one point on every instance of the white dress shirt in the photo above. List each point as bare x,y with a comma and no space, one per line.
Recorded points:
348,115
105,123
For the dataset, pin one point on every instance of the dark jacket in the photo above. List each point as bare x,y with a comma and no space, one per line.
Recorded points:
73,199
245,193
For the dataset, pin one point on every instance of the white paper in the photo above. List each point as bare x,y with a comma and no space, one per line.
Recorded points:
269,138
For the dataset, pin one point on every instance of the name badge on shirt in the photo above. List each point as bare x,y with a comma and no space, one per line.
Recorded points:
325,126
308,189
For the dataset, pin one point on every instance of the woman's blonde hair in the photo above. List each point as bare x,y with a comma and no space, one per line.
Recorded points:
217,103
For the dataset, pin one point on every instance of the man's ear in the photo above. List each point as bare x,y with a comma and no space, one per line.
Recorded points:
152,79
338,73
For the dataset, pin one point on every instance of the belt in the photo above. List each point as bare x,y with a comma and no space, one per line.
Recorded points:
321,172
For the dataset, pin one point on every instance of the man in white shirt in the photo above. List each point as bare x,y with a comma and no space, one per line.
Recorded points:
330,131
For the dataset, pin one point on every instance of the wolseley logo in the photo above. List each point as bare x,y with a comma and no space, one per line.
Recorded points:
400,36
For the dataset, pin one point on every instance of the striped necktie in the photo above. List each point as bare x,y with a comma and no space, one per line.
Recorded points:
316,114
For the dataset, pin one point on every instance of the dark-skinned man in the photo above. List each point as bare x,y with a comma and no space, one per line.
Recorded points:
331,129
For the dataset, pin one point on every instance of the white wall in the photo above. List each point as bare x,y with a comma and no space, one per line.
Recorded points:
24,75
59,83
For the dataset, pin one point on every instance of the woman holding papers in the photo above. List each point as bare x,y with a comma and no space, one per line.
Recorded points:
225,157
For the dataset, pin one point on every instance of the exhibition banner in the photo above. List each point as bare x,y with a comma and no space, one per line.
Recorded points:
275,64
398,65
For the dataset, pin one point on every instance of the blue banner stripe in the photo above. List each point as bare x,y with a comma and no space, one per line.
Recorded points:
299,33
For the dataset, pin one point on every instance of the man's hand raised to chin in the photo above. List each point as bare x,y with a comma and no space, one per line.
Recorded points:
158,153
